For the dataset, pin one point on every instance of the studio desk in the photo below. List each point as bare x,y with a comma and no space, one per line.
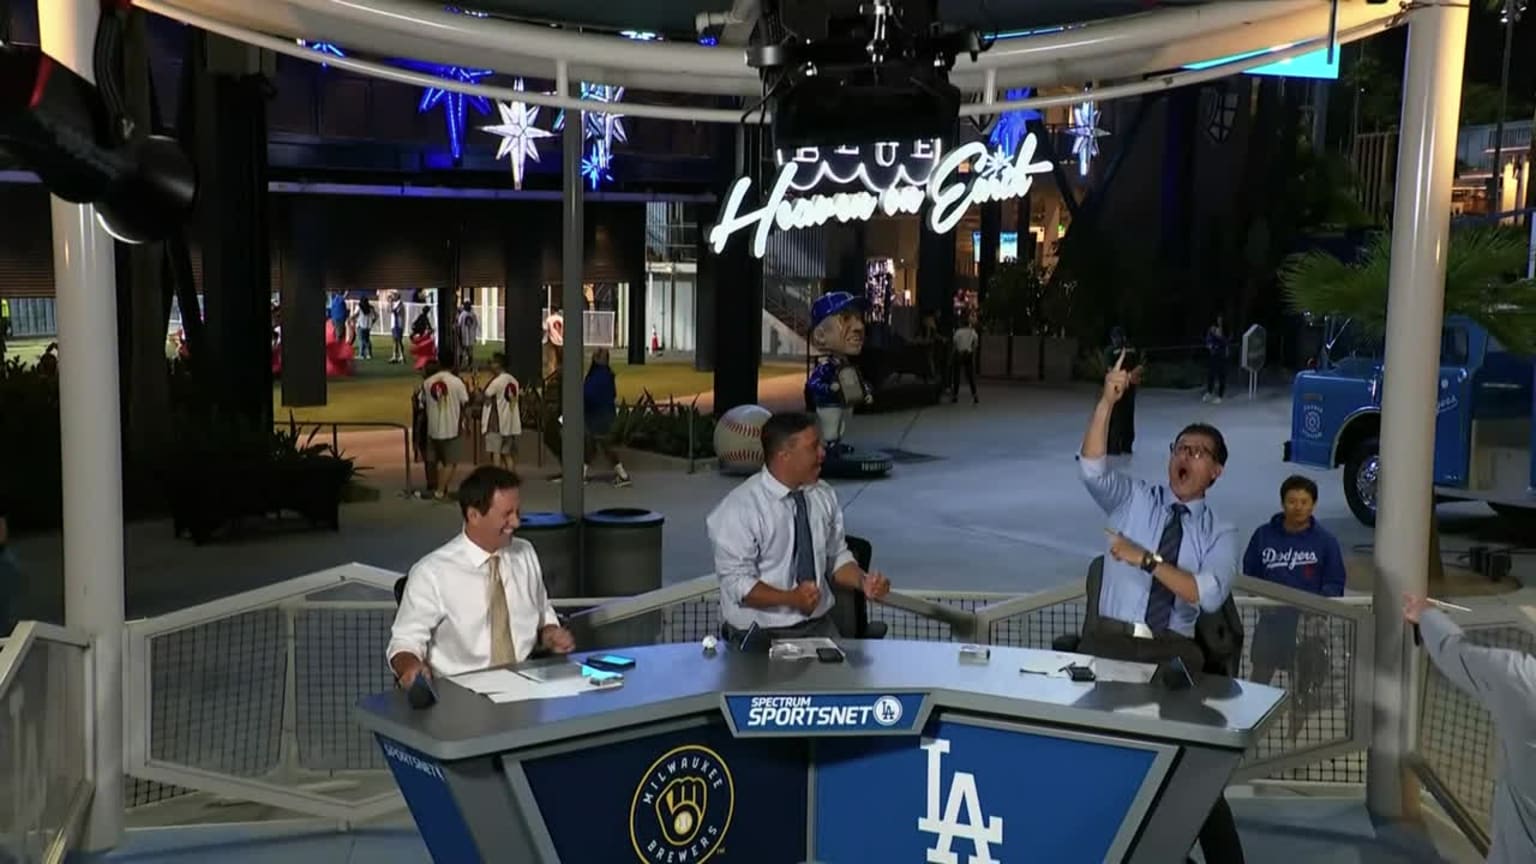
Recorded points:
903,753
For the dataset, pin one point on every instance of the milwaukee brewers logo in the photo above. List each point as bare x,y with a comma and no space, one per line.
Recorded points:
682,806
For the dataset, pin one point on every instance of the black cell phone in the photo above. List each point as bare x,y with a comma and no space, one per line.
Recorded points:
1080,673
611,662
829,655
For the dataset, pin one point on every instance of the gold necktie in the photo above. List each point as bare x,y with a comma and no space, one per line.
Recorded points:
502,651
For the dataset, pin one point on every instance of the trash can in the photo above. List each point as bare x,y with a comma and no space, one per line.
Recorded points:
621,557
554,537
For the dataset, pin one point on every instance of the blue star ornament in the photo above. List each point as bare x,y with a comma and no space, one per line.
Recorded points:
594,166
453,103
519,136
1012,126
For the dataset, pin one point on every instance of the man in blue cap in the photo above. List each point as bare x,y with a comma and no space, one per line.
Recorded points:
835,385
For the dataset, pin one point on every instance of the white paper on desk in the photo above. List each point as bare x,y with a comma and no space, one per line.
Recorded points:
490,681
546,690
1052,664
504,685
1122,672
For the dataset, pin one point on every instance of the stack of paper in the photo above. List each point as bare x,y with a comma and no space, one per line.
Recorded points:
505,685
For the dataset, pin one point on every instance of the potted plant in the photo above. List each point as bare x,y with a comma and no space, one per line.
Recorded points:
1010,321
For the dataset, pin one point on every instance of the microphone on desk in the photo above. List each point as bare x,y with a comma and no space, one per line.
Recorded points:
421,693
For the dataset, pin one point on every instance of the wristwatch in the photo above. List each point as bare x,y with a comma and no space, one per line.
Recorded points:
1150,560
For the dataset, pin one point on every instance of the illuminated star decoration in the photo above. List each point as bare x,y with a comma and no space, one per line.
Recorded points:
453,103
323,47
602,129
518,135
1012,126
1085,134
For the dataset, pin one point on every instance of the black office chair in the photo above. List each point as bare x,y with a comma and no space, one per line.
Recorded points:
851,612
1068,642
1220,635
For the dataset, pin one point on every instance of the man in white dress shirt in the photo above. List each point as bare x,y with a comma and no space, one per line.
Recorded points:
779,544
478,600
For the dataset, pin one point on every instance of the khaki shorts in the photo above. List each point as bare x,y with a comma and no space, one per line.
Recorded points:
445,451
499,444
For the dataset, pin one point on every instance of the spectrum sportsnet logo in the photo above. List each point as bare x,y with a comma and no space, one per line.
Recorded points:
823,713
682,807
800,711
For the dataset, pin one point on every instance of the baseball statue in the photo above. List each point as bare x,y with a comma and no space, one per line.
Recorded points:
739,439
835,386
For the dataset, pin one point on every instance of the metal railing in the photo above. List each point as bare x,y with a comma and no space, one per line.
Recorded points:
46,694
335,426
250,697
1456,744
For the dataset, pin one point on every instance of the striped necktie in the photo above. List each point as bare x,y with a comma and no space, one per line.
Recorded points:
1159,598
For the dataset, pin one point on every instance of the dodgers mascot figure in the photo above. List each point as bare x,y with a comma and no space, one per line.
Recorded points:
835,386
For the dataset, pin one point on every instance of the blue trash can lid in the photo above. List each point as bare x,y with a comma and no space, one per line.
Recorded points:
631,516
545,520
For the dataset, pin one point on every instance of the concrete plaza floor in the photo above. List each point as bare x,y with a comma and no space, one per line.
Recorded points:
987,498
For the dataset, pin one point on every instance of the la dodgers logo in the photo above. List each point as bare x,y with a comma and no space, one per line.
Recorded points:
887,710
978,828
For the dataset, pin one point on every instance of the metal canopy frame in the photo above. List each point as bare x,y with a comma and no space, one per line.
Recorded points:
1123,57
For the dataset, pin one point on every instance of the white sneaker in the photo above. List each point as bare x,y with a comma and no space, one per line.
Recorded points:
620,476
1216,401
1205,397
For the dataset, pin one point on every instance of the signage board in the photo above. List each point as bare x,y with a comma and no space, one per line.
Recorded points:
887,179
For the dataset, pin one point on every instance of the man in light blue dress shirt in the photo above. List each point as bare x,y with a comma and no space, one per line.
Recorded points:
1170,559
779,544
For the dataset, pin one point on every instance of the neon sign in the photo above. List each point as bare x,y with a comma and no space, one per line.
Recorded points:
951,182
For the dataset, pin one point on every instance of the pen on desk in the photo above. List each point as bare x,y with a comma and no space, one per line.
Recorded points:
1444,606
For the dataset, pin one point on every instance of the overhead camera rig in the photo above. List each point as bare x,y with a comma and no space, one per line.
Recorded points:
858,71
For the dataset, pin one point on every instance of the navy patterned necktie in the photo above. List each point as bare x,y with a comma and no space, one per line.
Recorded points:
1159,598
805,555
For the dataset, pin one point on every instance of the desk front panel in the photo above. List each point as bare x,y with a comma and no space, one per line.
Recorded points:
967,785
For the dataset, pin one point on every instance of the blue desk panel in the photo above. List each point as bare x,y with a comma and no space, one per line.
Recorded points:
431,803
977,793
691,795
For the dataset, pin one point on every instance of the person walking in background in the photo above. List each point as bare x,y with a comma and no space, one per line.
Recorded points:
1216,362
1122,419
501,418
965,340
466,332
396,327
5,325
423,345
443,397
366,317
600,397
1503,682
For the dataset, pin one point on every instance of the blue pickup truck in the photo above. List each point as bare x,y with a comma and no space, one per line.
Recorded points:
1484,437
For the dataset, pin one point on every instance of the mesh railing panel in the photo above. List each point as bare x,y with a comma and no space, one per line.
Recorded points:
338,659
138,792
1041,627
217,694
902,624
1456,734
42,726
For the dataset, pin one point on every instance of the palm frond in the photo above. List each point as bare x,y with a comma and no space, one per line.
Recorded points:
1482,282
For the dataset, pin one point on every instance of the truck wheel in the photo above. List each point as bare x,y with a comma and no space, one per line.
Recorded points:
1362,477
1522,517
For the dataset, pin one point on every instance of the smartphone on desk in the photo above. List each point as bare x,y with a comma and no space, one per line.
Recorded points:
611,662
602,677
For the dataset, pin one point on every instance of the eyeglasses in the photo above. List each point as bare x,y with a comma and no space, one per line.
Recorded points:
1197,453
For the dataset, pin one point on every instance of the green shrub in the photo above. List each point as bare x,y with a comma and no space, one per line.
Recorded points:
664,428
